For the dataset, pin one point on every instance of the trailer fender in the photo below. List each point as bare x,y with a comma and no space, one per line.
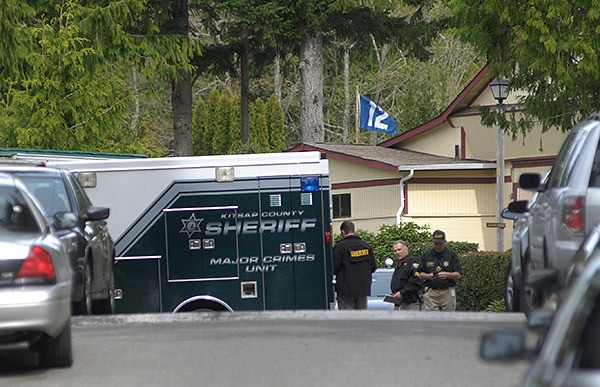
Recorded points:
204,302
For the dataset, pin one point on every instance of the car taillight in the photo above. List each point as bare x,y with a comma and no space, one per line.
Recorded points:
574,214
328,238
37,265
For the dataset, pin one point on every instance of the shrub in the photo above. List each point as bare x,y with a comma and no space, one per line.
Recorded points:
480,289
496,306
483,280
463,247
414,235
417,237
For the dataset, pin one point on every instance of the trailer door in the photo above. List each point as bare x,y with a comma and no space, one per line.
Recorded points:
190,248
276,242
292,245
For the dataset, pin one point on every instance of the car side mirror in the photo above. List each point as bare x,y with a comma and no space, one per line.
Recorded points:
503,345
530,181
64,220
97,213
517,207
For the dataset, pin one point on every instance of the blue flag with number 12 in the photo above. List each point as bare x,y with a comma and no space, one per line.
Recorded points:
372,117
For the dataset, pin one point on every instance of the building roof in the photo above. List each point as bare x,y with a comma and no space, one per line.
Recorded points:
388,155
393,159
463,101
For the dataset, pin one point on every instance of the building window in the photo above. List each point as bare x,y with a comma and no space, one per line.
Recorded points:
341,206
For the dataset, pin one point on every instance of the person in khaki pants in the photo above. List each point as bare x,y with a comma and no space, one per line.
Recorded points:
440,268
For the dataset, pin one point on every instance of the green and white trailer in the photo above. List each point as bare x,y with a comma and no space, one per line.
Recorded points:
222,233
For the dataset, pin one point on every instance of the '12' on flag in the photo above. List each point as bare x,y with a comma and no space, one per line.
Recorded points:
372,117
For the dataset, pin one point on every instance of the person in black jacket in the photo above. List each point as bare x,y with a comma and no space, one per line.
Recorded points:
353,265
406,284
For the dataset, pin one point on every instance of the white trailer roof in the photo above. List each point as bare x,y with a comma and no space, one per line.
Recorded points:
289,158
130,186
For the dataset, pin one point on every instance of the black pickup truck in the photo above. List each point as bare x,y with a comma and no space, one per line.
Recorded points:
92,250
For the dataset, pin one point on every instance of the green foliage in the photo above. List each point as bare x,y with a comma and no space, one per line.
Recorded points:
417,237
67,79
482,282
547,48
199,120
259,131
275,124
481,286
227,109
62,103
216,125
96,75
463,247
496,306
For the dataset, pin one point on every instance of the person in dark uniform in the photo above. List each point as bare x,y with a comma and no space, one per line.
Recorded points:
353,265
440,268
406,284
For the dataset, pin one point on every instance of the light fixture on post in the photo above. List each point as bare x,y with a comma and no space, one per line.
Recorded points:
499,88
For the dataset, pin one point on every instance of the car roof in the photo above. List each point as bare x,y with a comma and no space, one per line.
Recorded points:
29,169
7,179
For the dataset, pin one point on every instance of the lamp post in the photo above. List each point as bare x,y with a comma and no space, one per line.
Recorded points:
499,88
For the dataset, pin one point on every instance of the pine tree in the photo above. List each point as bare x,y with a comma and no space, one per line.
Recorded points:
275,124
199,127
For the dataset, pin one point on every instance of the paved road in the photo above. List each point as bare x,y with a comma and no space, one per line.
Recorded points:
276,349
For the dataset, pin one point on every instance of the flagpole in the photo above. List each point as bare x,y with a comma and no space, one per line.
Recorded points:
356,116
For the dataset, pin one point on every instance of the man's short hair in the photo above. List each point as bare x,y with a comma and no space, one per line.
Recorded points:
347,226
400,241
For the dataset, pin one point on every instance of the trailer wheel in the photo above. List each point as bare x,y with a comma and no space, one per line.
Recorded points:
200,306
203,310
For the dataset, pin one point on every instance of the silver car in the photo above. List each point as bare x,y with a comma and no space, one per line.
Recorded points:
567,208
380,287
569,354
515,288
35,276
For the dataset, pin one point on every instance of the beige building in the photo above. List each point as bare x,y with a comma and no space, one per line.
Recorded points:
441,173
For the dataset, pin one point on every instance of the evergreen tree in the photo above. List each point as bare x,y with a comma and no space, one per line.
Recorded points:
275,124
260,129
235,139
199,127
66,73
212,120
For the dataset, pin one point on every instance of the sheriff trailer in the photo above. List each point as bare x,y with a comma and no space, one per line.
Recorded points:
222,233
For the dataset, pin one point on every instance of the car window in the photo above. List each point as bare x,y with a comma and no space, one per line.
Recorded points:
595,174
579,175
381,283
15,214
589,344
82,200
50,191
574,339
565,160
